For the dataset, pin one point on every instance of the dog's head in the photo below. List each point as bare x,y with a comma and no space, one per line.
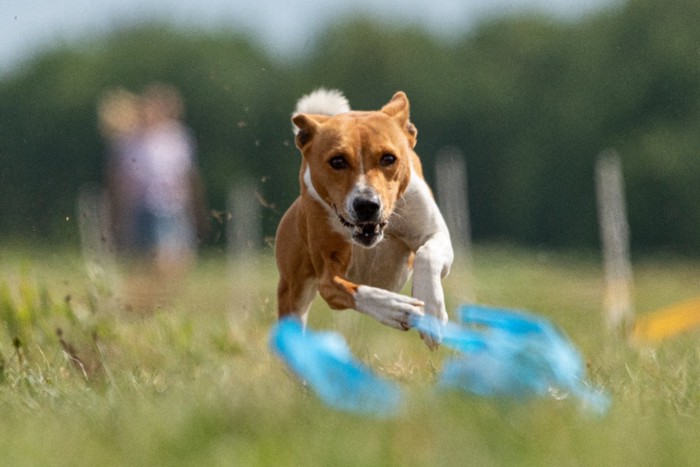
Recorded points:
358,164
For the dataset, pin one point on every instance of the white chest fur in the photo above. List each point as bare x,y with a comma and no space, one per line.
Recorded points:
384,266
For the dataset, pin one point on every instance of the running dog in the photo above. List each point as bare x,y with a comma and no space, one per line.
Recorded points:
365,218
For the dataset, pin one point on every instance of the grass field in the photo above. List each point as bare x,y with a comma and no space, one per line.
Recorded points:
193,383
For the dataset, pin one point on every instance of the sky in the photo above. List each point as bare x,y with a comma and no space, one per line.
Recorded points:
29,26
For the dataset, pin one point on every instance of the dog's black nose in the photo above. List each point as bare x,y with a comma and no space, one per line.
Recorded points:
366,208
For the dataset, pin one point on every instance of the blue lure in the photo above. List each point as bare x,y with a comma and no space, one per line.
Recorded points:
324,362
514,354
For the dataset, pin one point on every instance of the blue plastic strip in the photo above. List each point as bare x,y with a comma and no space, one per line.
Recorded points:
324,362
513,354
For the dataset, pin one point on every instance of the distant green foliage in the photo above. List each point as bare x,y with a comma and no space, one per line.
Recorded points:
530,101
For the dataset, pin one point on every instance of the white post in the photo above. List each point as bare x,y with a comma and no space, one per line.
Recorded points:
451,188
243,232
451,192
243,235
96,241
614,236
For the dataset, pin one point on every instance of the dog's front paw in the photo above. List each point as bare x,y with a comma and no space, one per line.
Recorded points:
430,340
392,309
433,338
429,291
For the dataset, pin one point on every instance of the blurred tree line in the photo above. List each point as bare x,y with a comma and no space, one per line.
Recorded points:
531,102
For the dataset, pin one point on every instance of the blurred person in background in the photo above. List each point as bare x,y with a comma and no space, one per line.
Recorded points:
120,120
155,195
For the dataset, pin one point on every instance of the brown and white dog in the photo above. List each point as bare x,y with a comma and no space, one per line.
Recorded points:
365,217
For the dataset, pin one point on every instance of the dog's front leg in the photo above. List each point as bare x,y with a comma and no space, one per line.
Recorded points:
431,265
389,308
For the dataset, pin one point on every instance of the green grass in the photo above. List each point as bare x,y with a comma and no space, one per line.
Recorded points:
194,383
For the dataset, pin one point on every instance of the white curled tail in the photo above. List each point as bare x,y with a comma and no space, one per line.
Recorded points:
322,101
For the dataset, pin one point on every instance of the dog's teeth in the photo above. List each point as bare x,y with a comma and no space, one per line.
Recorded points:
369,229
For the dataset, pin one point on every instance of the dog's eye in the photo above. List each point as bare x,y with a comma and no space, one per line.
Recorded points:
338,163
387,160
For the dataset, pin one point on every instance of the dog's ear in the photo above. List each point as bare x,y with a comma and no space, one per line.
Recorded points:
305,126
399,109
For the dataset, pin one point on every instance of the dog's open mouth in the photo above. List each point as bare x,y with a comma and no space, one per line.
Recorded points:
364,233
